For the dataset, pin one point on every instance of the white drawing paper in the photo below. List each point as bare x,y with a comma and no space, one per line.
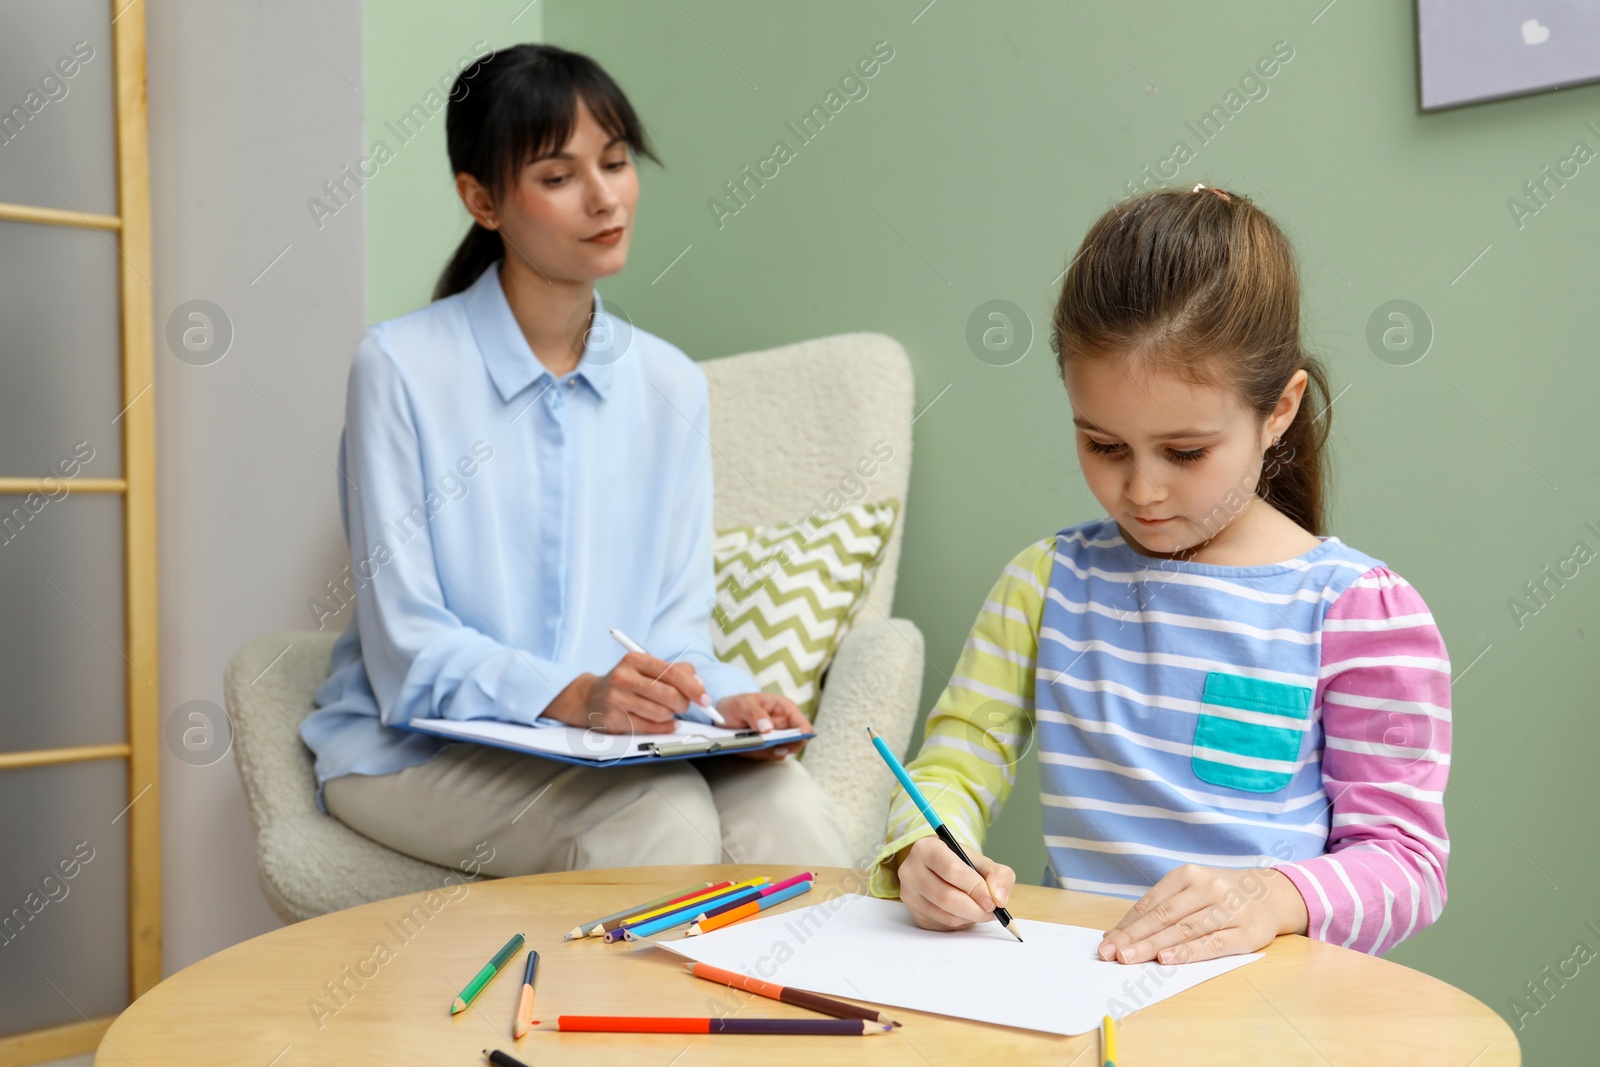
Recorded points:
869,949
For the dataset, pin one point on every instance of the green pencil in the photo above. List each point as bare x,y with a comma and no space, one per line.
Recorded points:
490,969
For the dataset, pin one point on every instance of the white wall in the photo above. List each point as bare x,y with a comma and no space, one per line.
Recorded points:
252,107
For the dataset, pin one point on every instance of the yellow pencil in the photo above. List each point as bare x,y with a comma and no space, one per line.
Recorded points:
1108,1042
596,926
697,898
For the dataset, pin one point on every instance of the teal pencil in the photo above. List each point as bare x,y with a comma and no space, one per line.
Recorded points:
933,818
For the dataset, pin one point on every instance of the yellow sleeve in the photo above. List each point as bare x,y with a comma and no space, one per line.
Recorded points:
983,722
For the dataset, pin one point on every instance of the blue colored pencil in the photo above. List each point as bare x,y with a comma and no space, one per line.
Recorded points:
933,818
675,918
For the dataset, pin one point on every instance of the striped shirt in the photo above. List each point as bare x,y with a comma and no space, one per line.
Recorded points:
1295,715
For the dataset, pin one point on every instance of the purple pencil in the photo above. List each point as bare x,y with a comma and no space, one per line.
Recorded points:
645,1024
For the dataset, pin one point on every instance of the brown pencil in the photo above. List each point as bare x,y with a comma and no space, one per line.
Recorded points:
800,998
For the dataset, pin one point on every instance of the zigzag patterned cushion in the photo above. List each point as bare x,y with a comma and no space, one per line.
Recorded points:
787,594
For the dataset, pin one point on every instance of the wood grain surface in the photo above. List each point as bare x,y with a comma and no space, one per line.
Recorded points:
373,985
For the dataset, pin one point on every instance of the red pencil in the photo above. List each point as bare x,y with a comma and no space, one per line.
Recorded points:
647,1024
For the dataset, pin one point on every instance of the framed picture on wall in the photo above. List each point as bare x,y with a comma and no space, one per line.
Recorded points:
1491,49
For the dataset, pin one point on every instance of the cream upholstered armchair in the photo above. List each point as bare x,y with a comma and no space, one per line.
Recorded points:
788,426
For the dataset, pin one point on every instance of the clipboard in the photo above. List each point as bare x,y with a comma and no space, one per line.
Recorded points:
591,748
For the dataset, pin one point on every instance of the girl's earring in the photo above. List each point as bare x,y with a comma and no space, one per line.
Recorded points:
1267,468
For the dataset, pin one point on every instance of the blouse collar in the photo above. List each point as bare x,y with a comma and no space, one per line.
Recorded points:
511,363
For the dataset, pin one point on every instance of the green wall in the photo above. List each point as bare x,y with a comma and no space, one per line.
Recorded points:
414,217
983,150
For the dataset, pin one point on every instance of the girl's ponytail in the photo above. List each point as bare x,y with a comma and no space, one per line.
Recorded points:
1290,481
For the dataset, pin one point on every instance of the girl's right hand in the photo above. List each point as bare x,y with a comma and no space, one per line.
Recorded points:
945,894
640,695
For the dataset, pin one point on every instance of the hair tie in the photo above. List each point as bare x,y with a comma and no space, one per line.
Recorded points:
1201,185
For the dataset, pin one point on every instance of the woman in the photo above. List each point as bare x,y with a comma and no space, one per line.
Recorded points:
521,472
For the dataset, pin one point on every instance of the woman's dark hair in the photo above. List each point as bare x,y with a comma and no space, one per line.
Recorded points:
1204,284
510,108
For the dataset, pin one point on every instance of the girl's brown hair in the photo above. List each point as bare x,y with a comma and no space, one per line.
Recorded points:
1204,284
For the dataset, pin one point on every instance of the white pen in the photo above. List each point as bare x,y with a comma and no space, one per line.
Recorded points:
705,698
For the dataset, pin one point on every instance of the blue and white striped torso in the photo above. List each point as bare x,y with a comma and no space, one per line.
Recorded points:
1177,711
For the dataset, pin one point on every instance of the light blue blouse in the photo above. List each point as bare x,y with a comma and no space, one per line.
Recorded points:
501,520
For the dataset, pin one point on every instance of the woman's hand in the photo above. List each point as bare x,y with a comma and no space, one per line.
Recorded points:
945,894
765,712
640,695
1201,913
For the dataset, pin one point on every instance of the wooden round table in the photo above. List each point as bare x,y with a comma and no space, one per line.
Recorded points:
374,984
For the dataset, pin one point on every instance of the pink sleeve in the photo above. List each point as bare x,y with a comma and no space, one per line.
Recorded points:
1384,692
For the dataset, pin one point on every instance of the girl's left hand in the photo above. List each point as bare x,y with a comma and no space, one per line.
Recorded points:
1201,913
765,712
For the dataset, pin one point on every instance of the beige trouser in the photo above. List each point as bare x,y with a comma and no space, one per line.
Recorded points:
542,815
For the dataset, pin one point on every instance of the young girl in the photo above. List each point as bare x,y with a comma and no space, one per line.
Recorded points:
1241,722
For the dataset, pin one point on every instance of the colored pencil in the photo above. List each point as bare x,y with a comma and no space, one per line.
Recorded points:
500,1059
595,926
744,911
605,928
645,1024
1108,1042
933,819
632,931
712,890
757,894
704,896
800,998
680,913
490,969
524,1016
650,927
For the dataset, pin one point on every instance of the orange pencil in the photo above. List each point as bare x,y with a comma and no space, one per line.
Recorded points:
744,911
679,913
721,890
524,1019
611,923
800,998
594,926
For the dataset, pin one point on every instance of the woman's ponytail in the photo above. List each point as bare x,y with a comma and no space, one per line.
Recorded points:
476,253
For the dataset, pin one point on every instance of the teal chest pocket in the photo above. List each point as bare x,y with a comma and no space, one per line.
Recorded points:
1249,732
